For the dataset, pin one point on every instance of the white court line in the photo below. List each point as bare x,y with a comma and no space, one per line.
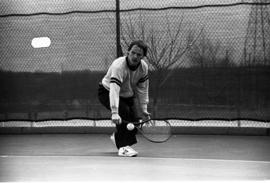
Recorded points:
138,157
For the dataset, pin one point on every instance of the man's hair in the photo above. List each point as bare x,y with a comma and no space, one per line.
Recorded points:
140,44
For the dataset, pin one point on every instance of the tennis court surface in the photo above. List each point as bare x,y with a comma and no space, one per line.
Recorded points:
92,157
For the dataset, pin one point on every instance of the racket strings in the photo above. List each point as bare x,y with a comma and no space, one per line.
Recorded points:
156,130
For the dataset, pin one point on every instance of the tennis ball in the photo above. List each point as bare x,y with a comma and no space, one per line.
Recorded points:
130,126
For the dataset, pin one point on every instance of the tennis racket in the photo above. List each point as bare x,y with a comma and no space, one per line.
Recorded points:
156,131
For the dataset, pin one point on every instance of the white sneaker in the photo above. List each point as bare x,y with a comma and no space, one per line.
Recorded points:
127,151
113,139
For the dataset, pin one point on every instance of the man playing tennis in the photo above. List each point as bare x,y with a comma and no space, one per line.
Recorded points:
125,81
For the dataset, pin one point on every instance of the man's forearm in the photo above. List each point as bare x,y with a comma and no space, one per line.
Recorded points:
114,97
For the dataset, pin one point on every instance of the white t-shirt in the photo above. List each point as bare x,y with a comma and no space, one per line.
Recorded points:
125,82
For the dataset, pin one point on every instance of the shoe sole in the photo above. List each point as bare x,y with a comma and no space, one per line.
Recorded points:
127,155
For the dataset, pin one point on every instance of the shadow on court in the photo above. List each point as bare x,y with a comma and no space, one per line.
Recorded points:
85,157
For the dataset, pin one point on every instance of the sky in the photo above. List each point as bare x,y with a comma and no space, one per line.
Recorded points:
90,38
30,6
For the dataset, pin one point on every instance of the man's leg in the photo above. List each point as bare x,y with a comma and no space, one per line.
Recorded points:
123,136
127,111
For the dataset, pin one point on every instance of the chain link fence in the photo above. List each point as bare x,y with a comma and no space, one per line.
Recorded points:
208,60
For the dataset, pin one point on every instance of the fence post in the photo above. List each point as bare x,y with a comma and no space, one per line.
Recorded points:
118,41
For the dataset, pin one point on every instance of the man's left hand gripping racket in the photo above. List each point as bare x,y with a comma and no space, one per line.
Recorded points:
156,131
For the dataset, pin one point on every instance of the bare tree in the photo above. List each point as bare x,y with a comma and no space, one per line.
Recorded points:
167,47
206,53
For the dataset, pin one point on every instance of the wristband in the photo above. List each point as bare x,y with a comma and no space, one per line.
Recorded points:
114,110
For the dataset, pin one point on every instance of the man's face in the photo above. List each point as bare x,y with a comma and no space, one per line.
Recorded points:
135,55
